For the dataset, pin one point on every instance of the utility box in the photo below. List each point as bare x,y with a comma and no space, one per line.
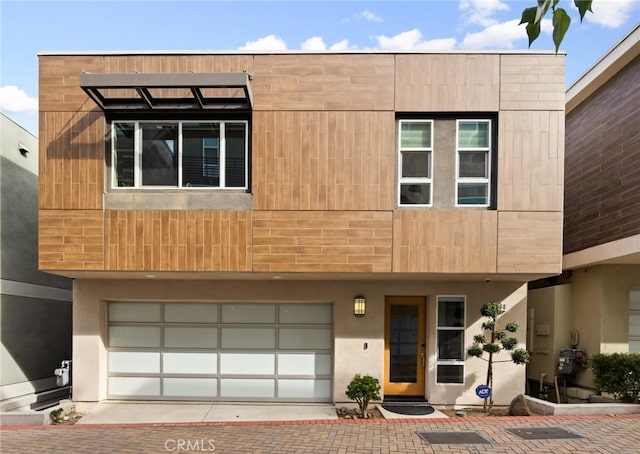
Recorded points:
63,373
570,359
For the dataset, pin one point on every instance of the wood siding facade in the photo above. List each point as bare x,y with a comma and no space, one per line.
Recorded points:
323,169
602,199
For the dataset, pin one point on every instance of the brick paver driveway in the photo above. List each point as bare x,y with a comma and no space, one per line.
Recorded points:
601,434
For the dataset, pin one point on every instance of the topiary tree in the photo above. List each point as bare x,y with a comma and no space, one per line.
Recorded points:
493,341
362,390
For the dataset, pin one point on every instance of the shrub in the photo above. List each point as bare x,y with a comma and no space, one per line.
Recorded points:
362,390
618,374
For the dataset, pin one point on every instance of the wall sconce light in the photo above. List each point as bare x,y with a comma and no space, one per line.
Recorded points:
359,306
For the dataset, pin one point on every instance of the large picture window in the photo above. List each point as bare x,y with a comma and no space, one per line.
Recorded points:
415,148
180,154
450,332
473,176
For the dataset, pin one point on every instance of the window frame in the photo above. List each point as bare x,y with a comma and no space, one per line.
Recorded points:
414,180
137,154
633,337
488,163
463,329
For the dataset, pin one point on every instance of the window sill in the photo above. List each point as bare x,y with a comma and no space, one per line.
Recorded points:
169,199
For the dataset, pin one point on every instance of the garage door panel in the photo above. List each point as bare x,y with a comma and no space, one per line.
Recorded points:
247,363
249,338
248,388
134,386
220,351
190,337
135,312
191,313
248,313
304,389
305,313
189,363
190,387
134,336
134,362
305,338
304,364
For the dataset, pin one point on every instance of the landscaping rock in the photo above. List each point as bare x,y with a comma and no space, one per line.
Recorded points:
519,407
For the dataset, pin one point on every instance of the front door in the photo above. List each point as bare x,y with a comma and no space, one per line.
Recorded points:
404,346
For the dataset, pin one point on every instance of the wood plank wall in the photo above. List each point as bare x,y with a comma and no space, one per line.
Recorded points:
323,169
177,240
322,241
323,160
447,83
445,241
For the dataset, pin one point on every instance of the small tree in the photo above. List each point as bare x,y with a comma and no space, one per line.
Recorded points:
498,340
362,390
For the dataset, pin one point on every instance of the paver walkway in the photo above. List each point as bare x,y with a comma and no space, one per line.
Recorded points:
602,434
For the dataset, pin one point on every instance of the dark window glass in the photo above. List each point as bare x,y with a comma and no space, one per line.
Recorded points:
415,194
450,344
159,154
201,154
473,193
236,146
450,373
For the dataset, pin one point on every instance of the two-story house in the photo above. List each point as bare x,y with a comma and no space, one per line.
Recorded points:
264,226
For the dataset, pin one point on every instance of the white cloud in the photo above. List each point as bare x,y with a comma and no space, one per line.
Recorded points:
500,36
317,43
271,42
481,12
314,43
612,13
340,45
412,40
13,99
368,16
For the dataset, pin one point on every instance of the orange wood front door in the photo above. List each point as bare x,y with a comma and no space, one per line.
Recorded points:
404,346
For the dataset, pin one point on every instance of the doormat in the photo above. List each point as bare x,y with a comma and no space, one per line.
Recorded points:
543,433
408,409
453,438
389,398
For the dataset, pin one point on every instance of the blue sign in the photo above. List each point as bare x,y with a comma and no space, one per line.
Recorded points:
483,391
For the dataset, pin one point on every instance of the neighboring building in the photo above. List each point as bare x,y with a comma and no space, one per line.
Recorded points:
598,296
35,307
222,214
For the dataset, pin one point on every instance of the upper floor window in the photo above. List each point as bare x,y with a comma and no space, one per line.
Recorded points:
473,168
415,149
184,154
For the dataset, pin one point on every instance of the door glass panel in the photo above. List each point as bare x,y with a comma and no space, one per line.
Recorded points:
134,362
403,346
247,363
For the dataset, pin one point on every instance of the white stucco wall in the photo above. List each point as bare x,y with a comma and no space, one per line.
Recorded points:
90,351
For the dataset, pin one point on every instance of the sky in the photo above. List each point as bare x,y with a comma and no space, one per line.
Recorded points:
28,27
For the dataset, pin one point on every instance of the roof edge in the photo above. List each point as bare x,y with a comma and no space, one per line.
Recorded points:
610,64
295,52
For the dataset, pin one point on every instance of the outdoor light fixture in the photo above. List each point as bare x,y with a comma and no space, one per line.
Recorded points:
359,306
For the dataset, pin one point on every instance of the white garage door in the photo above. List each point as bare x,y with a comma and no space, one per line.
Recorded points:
228,352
